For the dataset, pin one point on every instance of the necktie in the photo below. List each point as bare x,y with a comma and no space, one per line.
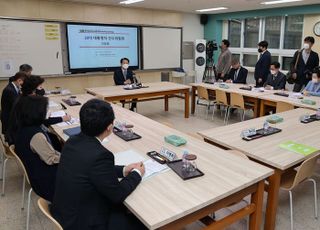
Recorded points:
125,74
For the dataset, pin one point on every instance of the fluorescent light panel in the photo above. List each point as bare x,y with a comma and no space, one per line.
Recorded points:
127,2
212,9
279,2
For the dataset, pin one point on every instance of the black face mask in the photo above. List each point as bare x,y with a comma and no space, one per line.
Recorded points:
40,92
260,50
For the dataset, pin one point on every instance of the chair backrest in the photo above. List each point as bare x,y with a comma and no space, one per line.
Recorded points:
44,207
202,93
5,147
283,106
237,100
21,165
221,97
306,170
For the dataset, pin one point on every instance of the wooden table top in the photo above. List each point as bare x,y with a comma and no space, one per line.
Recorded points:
266,149
235,88
111,91
165,197
293,100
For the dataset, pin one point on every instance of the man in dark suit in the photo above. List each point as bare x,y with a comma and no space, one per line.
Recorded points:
262,67
308,60
124,76
27,69
276,80
237,73
9,95
88,194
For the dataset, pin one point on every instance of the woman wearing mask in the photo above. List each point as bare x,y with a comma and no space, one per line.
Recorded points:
313,87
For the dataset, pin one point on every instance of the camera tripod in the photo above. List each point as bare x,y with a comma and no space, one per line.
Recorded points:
209,74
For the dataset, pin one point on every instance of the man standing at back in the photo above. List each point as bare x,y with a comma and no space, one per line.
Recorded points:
307,61
88,194
9,94
224,60
262,68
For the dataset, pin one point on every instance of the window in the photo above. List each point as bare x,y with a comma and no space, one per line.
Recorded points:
250,60
286,61
274,58
235,56
293,32
251,32
283,33
272,32
235,32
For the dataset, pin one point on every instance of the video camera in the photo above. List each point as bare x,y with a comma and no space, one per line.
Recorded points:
210,48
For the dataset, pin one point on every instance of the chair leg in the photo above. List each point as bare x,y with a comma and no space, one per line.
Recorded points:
291,210
226,116
4,175
28,208
315,197
2,163
214,106
23,191
243,115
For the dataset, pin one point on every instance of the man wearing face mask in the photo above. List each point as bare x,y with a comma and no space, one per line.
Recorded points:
262,67
9,95
124,76
237,74
313,87
276,80
224,60
307,61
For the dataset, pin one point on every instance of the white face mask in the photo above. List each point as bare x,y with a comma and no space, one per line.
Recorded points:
125,66
315,80
306,46
273,72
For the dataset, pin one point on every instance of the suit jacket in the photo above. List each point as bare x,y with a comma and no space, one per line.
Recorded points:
304,68
118,77
241,78
9,95
262,68
279,82
87,185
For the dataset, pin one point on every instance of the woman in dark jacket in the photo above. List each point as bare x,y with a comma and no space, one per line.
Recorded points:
34,146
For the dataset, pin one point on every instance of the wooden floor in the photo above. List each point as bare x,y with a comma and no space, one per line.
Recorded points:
12,218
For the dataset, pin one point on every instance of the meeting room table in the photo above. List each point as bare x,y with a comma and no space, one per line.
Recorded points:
165,201
266,150
149,91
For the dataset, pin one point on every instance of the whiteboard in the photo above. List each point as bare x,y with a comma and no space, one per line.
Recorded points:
30,42
161,47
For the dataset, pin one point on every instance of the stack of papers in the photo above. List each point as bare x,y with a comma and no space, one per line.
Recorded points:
151,167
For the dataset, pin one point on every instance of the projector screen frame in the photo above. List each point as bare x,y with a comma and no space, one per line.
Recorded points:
102,69
142,48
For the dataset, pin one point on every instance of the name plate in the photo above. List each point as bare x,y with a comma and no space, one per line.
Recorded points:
167,154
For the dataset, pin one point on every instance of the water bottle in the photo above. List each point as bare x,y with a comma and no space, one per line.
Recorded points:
184,161
265,126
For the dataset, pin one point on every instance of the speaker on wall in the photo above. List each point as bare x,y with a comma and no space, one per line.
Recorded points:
203,19
200,58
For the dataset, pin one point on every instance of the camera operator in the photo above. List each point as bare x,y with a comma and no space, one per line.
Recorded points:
224,60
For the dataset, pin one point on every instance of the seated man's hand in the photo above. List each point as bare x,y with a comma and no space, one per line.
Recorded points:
294,76
229,81
66,117
141,168
260,80
127,82
268,87
130,167
306,93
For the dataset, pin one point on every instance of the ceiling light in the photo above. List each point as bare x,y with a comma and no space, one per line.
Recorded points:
279,2
127,2
212,9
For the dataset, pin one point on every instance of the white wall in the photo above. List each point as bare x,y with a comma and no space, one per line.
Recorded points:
192,30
